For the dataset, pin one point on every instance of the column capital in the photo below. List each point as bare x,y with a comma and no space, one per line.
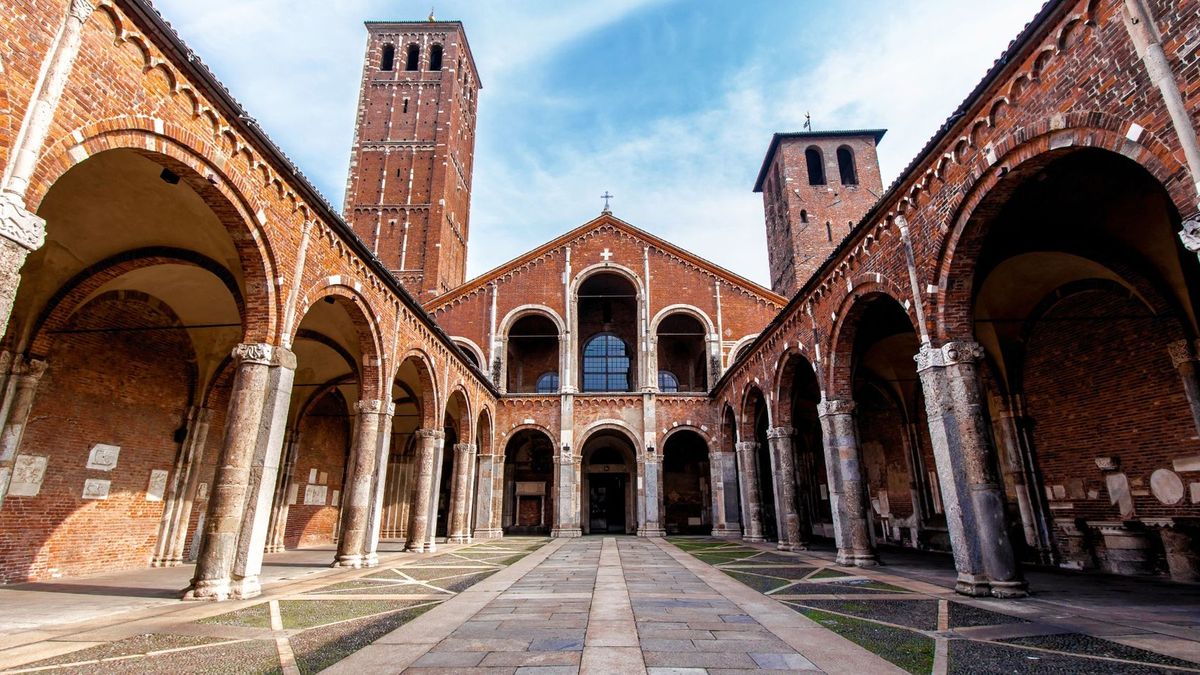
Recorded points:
836,406
1181,352
949,354
436,434
253,352
81,10
781,432
19,224
746,446
375,407
464,448
32,370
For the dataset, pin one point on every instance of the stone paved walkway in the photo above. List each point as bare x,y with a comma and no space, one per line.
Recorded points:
611,605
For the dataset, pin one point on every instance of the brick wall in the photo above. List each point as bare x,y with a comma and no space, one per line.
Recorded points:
324,447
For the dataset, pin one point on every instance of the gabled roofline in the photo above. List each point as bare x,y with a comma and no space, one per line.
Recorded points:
604,218
877,134
454,22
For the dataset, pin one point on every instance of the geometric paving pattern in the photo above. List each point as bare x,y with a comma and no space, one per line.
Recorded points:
304,632
919,632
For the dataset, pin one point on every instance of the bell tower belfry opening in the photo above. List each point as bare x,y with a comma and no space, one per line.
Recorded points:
408,195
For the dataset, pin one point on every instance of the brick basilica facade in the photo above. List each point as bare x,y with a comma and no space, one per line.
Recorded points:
203,361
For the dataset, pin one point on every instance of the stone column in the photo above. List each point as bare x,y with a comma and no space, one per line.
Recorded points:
485,499
238,511
566,504
1184,360
359,492
280,507
726,513
651,496
497,522
25,379
783,450
429,445
177,502
751,503
457,527
189,485
847,492
22,231
383,451
971,495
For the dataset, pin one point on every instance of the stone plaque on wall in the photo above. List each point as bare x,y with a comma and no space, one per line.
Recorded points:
27,475
157,486
1166,486
202,491
96,488
314,495
103,457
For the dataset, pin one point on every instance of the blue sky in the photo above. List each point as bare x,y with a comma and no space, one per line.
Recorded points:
669,104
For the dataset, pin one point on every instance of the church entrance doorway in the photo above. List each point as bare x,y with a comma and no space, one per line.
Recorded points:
608,495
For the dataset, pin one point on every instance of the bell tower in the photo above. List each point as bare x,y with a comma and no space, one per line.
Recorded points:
408,194
816,186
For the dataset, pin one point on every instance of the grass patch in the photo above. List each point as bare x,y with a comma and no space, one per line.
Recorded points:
255,616
312,613
911,651
460,584
757,582
723,556
915,614
829,573
320,648
138,644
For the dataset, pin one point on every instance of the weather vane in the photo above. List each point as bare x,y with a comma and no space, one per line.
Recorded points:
807,122
606,196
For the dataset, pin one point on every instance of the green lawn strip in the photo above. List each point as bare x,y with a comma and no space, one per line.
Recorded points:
320,648
791,572
460,584
248,657
429,573
760,583
138,644
985,658
828,573
254,616
358,585
1087,645
907,649
512,559
312,613
914,614
722,557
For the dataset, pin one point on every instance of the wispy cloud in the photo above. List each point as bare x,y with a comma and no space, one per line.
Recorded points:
550,142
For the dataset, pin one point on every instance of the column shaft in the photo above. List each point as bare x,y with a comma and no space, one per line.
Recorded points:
429,444
748,478
359,497
383,452
783,450
847,490
460,490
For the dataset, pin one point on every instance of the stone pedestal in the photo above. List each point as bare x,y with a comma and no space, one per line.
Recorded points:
748,480
360,489
971,493
429,446
239,507
1127,551
457,531
847,491
783,453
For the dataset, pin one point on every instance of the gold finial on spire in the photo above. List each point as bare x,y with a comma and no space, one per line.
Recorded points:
431,17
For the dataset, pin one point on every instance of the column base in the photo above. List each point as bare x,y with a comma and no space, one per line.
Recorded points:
781,546
972,585
213,590
652,532
351,560
458,539
734,531
753,538
166,562
566,532
489,534
245,588
857,558
371,560
1010,589
418,548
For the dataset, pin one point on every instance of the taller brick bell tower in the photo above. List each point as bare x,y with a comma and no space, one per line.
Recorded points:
408,195
816,186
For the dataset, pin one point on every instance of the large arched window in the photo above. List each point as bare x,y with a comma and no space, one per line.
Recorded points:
412,58
435,57
845,157
532,353
667,382
547,383
816,165
388,60
605,364
682,358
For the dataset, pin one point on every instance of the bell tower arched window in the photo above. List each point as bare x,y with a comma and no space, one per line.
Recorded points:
388,60
435,57
845,158
412,58
816,165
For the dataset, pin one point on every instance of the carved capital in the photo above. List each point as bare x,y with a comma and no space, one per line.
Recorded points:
34,369
81,10
837,406
949,354
746,446
255,352
430,433
464,448
1181,352
780,432
1190,234
19,225
374,406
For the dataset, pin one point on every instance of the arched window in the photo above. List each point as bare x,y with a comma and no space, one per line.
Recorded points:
412,58
605,364
845,157
547,383
816,166
803,215
667,382
388,60
435,57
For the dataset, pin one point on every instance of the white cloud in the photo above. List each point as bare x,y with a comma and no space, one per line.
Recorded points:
687,177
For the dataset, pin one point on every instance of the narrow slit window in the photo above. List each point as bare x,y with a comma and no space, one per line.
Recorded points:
829,230
803,215
405,109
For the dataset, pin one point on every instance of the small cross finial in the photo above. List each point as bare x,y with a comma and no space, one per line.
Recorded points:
606,196
431,17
